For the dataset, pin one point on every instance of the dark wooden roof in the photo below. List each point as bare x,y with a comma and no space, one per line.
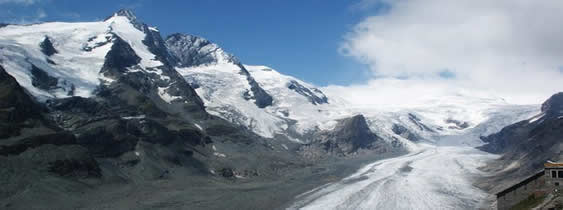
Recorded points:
520,184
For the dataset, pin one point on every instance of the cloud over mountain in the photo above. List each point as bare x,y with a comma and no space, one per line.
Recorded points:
510,48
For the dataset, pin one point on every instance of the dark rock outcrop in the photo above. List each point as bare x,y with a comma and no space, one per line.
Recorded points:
349,137
47,47
553,107
17,109
42,80
120,56
315,96
457,124
405,132
261,97
189,50
416,121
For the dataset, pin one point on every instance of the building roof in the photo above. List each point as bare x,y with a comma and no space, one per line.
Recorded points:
520,184
550,164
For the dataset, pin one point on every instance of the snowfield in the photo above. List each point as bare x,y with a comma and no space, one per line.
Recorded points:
81,50
19,49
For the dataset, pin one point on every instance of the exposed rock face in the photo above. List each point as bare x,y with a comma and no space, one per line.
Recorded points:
17,109
119,58
405,132
457,124
553,107
414,119
316,97
263,99
42,80
190,50
350,136
47,47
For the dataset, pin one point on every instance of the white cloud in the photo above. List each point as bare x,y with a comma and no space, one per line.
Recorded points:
509,48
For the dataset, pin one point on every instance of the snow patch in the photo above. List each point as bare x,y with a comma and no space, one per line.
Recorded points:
536,118
200,128
165,96
220,155
134,117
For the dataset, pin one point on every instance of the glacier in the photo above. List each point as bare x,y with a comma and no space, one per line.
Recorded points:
437,174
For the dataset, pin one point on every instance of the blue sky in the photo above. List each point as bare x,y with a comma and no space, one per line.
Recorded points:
298,37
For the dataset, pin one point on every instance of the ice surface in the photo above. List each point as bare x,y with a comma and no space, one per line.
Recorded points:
431,178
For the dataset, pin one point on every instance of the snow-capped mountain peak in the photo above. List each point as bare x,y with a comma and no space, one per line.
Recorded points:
60,60
130,16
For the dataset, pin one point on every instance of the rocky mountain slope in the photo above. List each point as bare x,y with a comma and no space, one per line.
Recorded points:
526,145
